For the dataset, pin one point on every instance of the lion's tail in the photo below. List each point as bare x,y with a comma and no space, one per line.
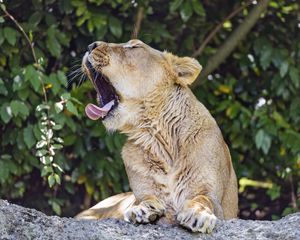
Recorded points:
112,207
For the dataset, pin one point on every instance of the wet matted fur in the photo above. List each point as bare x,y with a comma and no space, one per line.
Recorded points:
178,165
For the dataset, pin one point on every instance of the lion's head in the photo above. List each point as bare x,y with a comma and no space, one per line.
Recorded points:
125,74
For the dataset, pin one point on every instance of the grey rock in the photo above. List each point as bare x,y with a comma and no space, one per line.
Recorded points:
18,223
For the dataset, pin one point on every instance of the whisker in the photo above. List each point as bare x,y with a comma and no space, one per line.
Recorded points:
76,75
75,68
82,79
70,80
76,61
96,77
76,64
74,72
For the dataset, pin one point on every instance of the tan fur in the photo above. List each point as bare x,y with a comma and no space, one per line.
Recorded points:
178,165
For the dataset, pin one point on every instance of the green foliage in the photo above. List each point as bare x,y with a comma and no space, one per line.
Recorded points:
254,95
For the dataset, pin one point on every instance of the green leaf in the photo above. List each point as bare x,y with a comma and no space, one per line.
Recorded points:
59,140
100,23
233,110
115,26
276,57
2,6
198,8
291,139
65,96
49,134
35,18
46,170
57,127
55,207
57,178
62,78
53,46
6,156
284,68
33,77
29,71
3,89
57,146
29,138
274,192
46,160
71,108
36,82
17,83
109,143
1,36
66,6
42,106
10,35
263,141
51,180
280,121
18,107
186,11
41,144
55,84
266,56
90,25
174,5
4,171
294,75
101,32
58,167
63,38
288,210
75,100
52,43
41,153
23,93
6,112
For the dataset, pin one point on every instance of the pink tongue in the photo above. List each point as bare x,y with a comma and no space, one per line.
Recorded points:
94,112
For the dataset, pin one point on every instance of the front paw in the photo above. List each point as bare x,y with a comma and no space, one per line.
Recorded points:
145,212
197,219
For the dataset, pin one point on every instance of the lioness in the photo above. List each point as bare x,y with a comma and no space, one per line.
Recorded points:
178,165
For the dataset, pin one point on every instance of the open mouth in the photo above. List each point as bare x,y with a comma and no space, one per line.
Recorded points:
107,97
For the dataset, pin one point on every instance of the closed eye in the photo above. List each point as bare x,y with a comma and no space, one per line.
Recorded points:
129,46
136,46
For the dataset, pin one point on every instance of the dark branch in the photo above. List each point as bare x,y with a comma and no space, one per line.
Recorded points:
211,35
236,36
138,22
23,32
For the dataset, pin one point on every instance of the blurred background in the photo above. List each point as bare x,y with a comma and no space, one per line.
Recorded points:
54,159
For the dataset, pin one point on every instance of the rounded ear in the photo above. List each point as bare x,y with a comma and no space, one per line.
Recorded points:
186,69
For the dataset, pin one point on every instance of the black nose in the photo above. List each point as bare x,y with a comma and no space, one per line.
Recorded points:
92,46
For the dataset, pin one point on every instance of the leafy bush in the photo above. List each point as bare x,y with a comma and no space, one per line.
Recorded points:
52,155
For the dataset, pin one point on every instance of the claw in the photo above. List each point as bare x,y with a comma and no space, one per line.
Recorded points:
143,213
197,221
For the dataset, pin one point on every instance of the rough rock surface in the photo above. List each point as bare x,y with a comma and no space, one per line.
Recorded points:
20,223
